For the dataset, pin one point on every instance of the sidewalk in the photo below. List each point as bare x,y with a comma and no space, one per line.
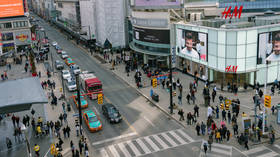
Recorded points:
245,98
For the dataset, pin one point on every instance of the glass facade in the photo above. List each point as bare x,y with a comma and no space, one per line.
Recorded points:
233,47
248,5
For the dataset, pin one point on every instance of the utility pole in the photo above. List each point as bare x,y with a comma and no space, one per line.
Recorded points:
79,102
266,71
170,84
256,101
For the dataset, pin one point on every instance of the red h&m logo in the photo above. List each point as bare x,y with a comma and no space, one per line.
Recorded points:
233,69
227,13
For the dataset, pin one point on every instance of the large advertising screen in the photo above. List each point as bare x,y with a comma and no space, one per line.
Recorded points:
192,44
269,47
157,3
151,35
11,8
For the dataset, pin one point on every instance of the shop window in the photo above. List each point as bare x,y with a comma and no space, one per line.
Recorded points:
7,36
6,25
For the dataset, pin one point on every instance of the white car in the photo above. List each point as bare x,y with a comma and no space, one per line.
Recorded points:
54,43
63,53
75,69
71,85
64,56
66,74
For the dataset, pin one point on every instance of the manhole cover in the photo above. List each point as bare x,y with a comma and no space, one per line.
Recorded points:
196,149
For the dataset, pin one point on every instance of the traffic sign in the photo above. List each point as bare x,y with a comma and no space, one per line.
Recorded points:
267,101
76,115
100,98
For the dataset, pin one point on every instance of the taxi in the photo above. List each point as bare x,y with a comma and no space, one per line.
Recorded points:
92,121
69,61
84,103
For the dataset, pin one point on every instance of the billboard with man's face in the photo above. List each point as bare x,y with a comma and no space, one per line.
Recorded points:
269,47
192,44
10,8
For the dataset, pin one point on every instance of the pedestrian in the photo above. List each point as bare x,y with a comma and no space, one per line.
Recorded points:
235,129
197,129
24,121
86,149
65,118
229,116
181,114
217,112
17,121
189,118
37,150
188,98
218,136
193,96
61,118
53,84
196,110
5,75
224,115
180,99
205,147
16,134
163,83
272,109
77,129
81,146
228,135
64,132
210,141
68,130
213,95
63,106
72,148
221,98
77,154
14,120
246,143
203,128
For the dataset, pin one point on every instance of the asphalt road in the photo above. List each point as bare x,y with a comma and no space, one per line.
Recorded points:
145,130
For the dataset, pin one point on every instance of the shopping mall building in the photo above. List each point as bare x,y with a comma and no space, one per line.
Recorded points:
233,51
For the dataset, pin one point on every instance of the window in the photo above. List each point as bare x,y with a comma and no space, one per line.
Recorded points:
7,36
60,5
20,24
6,25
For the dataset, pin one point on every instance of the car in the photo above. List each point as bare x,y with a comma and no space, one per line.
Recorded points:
57,47
59,51
75,69
63,53
84,103
66,74
69,61
111,113
64,56
71,85
59,65
92,121
54,43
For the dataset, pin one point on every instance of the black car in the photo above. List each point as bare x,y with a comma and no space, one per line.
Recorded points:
111,113
59,65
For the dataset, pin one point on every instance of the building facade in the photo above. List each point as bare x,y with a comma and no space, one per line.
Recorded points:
15,34
88,18
228,52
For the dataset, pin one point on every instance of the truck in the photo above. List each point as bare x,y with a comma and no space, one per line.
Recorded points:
90,84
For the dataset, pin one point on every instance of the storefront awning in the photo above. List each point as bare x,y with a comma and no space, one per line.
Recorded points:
18,95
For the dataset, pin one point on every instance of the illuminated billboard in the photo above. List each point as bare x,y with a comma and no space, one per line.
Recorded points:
10,8
157,3
157,36
269,47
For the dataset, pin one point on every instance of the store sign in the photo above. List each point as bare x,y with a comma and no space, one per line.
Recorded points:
231,69
22,37
227,13
151,35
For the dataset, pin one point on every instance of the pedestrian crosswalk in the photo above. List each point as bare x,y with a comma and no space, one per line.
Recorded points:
217,150
264,151
146,145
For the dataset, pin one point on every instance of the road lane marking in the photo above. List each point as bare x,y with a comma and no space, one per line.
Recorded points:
270,154
177,137
114,151
164,145
276,145
124,150
169,139
125,120
95,109
104,153
134,149
148,120
222,146
152,144
185,135
143,146
115,138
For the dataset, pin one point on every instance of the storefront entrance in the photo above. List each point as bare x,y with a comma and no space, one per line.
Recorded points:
193,68
233,79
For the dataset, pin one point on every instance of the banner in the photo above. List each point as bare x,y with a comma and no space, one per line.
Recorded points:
11,8
151,35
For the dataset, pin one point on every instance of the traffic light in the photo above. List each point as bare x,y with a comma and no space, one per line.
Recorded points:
100,98
267,101
222,106
154,83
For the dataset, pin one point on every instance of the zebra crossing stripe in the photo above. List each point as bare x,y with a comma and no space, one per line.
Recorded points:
134,149
143,146
270,154
177,137
104,153
114,151
164,145
222,146
276,145
255,150
152,144
123,149
169,140
185,135
213,149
